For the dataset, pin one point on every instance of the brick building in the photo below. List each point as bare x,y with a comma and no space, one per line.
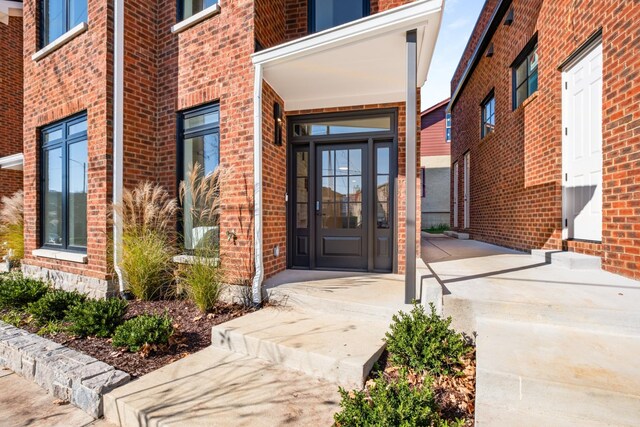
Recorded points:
435,165
546,129
313,145
10,98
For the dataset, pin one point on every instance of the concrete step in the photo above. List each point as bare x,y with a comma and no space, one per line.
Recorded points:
457,235
556,375
219,387
570,260
336,348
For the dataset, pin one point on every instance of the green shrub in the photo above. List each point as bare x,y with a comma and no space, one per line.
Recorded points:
96,317
203,280
51,328
393,403
146,263
12,317
12,225
420,341
146,329
54,306
17,291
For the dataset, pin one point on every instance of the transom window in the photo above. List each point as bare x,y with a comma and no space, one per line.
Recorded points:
525,75
488,115
199,143
59,16
65,184
324,14
188,8
343,126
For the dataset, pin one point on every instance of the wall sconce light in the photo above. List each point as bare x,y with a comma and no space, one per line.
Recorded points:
277,116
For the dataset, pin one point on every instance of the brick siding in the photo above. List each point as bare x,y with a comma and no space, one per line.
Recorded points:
516,188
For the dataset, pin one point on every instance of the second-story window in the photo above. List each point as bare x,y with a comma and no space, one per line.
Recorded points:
59,16
324,14
488,114
525,74
448,131
188,8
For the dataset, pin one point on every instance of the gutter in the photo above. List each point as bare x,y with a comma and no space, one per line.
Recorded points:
496,18
118,134
256,286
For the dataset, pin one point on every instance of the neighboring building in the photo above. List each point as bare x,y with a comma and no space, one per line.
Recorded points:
435,160
10,97
546,129
314,143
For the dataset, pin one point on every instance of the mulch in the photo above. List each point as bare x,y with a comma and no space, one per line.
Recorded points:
193,333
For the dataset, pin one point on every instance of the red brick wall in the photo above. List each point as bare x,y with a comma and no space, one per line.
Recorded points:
433,125
72,79
516,197
11,101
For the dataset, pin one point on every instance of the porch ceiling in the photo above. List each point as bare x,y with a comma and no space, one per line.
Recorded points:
362,62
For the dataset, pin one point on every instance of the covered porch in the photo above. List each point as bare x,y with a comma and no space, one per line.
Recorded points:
369,67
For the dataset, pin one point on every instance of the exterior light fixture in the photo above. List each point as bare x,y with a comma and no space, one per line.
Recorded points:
509,19
277,116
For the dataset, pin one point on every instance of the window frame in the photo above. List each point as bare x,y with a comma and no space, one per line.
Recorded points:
311,15
486,101
180,10
523,56
64,142
43,5
181,136
447,130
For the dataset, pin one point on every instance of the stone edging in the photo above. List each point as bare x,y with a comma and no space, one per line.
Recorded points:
64,373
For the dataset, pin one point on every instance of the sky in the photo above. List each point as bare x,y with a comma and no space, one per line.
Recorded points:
459,18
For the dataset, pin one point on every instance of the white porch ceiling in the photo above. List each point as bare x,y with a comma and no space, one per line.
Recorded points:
362,62
9,8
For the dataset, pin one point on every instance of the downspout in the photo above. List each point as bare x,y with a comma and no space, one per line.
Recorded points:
256,288
118,144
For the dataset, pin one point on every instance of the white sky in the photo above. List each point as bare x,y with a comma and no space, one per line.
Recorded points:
459,18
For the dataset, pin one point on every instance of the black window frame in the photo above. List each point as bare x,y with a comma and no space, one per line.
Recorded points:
43,4
311,14
447,124
180,9
63,143
523,57
491,97
181,136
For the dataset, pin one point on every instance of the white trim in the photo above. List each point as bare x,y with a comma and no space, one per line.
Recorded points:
256,287
118,134
192,259
60,255
196,19
60,41
9,8
12,162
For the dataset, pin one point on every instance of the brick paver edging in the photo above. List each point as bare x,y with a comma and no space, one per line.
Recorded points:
65,373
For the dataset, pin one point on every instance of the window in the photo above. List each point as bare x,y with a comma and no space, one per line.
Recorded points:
488,114
525,75
343,126
64,184
448,124
59,16
324,14
199,143
423,182
188,8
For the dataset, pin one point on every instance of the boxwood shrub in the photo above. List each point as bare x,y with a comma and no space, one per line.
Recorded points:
17,291
146,329
97,318
54,306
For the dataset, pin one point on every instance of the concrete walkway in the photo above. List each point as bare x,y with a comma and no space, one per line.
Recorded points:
555,346
23,403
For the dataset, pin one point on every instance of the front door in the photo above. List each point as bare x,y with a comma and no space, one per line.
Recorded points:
582,147
342,223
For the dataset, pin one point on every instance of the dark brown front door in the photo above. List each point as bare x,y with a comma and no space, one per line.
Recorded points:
341,206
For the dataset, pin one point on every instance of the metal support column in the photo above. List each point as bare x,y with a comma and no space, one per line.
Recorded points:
411,169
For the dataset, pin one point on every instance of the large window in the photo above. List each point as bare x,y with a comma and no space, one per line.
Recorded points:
488,115
324,14
65,184
188,8
59,16
525,74
199,144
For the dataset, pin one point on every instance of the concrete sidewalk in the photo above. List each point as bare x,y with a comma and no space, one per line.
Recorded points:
23,403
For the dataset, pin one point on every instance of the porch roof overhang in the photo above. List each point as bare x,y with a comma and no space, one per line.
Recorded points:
12,162
9,8
358,63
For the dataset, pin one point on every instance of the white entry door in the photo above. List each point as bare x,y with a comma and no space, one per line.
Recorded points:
467,188
456,177
582,147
